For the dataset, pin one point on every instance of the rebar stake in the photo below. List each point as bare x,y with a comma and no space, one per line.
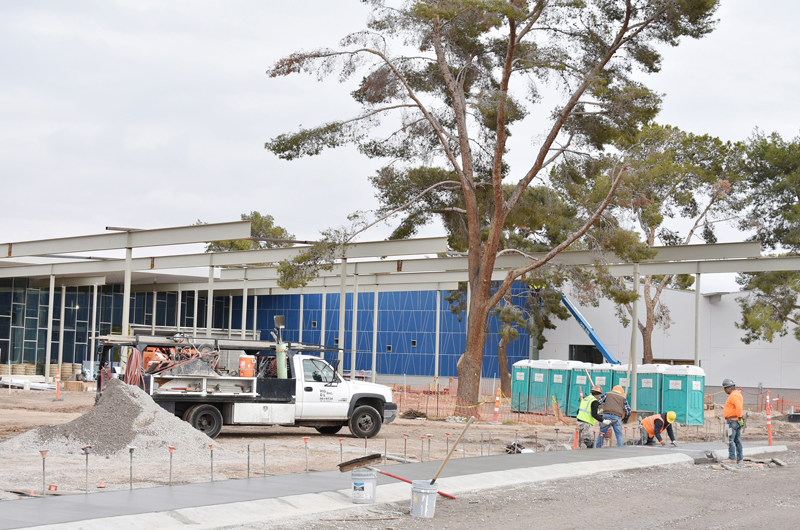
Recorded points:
131,449
171,450
305,441
422,449
248,460
86,452
405,448
341,450
265,460
44,473
211,446
429,446
447,434
481,443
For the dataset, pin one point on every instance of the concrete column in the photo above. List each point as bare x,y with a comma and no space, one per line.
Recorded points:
194,319
634,359
48,348
230,314
244,309
153,315
353,334
61,326
697,319
94,323
210,302
342,308
375,336
300,337
126,291
436,338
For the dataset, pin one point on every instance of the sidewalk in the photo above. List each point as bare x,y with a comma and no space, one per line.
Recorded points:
213,505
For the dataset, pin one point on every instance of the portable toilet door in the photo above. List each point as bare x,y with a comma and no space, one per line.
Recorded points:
538,397
649,382
579,384
558,384
697,389
675,392
602,375
620,377
520,382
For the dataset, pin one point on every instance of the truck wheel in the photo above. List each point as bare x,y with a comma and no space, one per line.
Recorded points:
329,429
205,418
365,422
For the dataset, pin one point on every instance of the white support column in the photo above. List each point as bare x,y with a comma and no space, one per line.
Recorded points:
342,308
61,326
354,330
300,338
230,314
153,314
244,309
322,323
436,339
126,291
375,336
94,323
210,302
194,319
697,319
178,309
633,366
48,349
255,315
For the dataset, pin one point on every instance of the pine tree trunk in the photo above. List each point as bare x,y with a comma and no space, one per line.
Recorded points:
502,367
470,364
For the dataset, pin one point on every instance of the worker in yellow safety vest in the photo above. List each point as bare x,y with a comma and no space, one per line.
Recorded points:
589,414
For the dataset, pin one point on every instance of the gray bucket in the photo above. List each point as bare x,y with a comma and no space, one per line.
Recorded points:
365,481
423,498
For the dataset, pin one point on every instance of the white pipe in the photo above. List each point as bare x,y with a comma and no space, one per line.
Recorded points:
342,308
178,309
194,319
300,338
61,326
375,336
244,309
436,339
255,316
697,320
230,314
126,291
210,302
324,302
353,332
94,323
48,349
153,314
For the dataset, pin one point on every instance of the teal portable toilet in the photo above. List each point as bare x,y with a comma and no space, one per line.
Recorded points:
682,393
620,373
649,383
558,384
520,383
602,375
579,384
538,396
697,396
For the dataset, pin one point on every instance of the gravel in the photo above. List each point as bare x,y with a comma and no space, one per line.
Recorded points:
125,416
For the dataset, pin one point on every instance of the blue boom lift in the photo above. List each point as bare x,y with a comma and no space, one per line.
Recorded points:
589,331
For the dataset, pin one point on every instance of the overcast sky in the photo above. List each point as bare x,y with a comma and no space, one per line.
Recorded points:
155,113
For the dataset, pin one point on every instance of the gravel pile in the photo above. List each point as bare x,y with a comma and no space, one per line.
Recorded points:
125,416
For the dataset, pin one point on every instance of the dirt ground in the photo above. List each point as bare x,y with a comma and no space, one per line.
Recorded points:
676,497
284,447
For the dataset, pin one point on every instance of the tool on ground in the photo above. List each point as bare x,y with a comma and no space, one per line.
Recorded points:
367,461
460,436
44,473
85,449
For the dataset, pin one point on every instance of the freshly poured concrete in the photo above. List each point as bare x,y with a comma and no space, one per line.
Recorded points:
211,505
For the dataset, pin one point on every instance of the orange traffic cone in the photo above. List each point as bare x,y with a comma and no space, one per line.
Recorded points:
575,441
102,484
496,419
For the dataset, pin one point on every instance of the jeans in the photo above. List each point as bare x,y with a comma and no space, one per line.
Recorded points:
616,422
735,445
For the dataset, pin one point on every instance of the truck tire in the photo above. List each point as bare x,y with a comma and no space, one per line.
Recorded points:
329,429
205,418
365,422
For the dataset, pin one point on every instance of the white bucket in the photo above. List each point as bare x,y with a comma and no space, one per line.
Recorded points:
365,481
423,498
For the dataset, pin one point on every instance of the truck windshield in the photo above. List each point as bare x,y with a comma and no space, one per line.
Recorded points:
317,370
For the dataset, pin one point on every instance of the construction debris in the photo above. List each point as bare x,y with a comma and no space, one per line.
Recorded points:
780,462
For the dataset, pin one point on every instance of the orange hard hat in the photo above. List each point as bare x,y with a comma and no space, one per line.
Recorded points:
618,389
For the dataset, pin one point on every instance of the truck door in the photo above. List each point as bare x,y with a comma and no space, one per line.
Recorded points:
324,395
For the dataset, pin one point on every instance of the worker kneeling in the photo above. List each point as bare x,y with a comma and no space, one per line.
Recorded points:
653,426
588,416
617,411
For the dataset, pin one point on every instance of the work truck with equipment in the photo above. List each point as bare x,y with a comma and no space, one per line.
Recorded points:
214,382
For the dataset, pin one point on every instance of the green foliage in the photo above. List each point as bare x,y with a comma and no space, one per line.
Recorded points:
261,226
770,305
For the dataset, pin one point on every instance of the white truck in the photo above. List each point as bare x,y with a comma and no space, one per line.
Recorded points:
311,393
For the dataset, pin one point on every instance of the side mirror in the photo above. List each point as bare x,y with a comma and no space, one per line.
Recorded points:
280,321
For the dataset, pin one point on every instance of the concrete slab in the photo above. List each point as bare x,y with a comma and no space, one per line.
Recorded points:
212,505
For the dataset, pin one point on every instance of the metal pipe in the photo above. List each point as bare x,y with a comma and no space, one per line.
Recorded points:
255,316
342,308
375,337
697,320
153,314
126,290
194,314
300,330
178,310
436,339
94,327
61,326
322,331
244,307
354,330
210,302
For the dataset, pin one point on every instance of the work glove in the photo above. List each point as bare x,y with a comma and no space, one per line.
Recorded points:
606,422
741,423
626,418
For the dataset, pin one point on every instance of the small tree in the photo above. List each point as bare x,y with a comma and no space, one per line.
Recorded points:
773,175
265,233
462,72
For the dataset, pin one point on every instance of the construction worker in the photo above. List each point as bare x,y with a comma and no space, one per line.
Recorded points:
588,416
616,410
653,426
733,413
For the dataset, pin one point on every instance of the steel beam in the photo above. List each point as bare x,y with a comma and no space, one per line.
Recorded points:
119,240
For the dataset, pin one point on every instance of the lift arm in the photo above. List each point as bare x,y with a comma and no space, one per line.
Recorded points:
589,331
